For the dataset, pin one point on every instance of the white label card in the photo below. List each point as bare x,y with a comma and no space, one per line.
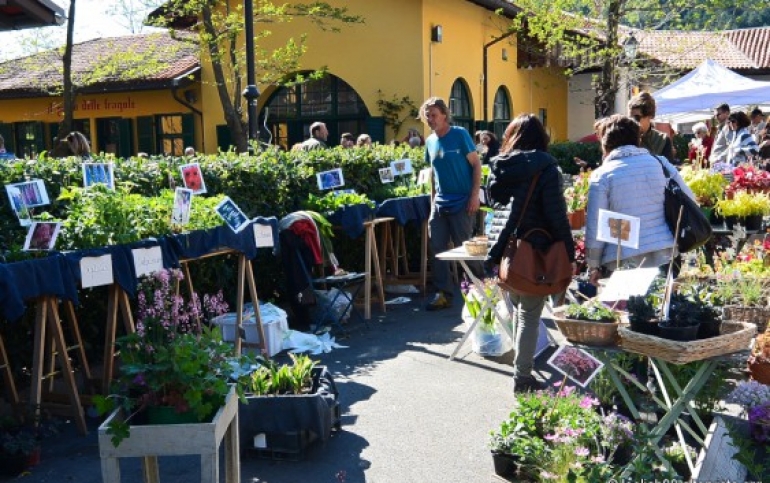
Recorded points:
96,271
424,176
402,166
625,283
617,226
147,260
263,235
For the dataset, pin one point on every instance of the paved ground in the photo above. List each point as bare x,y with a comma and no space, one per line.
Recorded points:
408,414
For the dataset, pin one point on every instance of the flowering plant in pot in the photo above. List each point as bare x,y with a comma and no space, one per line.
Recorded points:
746,207
707,187
21,436
749,178
173,364
754,399
759,360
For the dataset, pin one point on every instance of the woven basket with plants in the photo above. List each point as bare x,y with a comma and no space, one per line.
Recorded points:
476,246
591,323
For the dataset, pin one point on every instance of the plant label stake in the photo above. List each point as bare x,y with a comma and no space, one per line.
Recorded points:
670,274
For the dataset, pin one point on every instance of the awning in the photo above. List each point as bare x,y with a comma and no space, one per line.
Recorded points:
24,14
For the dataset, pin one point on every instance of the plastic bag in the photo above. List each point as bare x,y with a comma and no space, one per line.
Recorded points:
486,342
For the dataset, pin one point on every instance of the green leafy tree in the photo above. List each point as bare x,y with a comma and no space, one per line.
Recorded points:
586,34
220,24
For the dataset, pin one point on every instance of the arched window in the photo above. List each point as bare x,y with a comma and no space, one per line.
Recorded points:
290,111
460,106
501,114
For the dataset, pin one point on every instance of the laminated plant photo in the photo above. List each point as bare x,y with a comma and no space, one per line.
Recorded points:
578,365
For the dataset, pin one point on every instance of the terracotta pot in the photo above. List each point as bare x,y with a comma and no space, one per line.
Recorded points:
759,370
577,219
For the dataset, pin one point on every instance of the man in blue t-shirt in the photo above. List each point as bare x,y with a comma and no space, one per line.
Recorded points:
454,192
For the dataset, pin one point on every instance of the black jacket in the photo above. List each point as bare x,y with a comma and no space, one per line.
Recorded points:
510,177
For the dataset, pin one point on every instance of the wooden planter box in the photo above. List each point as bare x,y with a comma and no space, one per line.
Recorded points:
150,441
281,427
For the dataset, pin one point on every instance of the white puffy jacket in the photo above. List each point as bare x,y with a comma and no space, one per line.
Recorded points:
630,181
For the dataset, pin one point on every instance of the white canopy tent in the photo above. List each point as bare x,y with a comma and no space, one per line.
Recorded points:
700,91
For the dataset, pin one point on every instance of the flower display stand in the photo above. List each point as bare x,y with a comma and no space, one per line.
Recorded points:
150,441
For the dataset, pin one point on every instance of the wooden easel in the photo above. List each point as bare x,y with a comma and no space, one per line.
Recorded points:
5,366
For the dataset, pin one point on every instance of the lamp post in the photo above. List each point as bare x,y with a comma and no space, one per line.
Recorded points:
630,48
251,93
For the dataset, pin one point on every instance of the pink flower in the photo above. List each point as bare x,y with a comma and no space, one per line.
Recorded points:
581,451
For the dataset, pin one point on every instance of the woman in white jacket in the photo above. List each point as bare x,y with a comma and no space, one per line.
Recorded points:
630,181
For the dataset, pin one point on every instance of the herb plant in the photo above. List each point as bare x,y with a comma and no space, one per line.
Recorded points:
593,311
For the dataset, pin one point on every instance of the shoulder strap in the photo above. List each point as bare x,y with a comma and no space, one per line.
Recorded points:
526,201
665,171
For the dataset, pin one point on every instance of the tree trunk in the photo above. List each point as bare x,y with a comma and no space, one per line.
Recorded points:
233,115
61,148
607,86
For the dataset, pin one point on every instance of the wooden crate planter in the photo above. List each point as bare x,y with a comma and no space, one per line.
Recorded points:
283,425
150,441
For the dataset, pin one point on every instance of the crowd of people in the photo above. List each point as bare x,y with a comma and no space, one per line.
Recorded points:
524,178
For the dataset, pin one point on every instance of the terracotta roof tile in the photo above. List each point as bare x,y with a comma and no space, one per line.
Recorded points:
144,61
743,49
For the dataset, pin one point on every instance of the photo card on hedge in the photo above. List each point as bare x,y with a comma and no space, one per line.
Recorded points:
103,173
330,179
32,192
232,215
401,166
386,175
193,178
613,224
18,206
578,365
424,176
42,236
180,215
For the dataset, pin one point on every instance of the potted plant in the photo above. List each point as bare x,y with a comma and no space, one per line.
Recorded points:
676,454
708,187
754,399
290,405
759,360
173,369
487,340
683,318
642,315
20,438
744,208
745,298
576,197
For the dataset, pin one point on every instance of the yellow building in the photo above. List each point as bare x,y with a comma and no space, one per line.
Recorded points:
405,48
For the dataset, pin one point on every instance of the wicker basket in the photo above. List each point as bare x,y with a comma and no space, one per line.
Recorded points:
475,247
736,336
744,313
587,332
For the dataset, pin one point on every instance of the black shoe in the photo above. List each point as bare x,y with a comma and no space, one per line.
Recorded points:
440,301
526,384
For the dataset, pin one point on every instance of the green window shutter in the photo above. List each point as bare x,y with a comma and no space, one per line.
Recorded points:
39,137
145,134
6,130
188,129
224,139
375,127
126,141
53,131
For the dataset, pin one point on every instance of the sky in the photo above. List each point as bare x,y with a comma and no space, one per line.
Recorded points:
91,21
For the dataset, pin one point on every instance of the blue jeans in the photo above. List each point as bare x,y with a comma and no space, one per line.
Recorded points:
442,229
527,321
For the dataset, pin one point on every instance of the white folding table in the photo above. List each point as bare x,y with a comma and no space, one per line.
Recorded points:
488,300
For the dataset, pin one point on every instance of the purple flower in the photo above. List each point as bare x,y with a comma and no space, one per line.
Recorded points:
581,451
139,380
587,402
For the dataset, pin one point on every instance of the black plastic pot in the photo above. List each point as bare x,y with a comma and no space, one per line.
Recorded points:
13,464
649,327
753,222
504,464
682,334
709,329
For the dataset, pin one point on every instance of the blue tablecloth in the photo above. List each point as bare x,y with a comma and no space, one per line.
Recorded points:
351,219
59,274
404,210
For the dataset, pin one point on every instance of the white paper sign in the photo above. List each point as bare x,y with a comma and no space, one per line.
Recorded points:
96,271
263,235
402,166
424,176
625,283
629,228
147,260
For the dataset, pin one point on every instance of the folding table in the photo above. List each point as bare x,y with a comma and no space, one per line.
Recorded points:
488,300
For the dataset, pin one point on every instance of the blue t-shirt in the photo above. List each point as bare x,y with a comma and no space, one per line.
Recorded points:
452,173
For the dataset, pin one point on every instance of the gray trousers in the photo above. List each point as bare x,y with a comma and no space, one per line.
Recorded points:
445,228
527,321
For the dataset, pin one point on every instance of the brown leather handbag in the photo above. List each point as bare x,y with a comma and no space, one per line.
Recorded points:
526,270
